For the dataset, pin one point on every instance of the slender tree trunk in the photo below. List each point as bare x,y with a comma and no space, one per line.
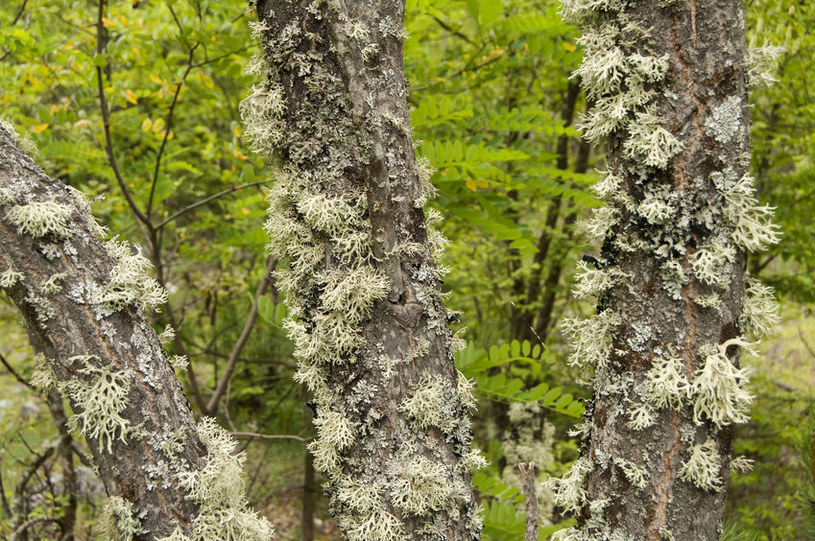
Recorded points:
368,321
667,86
82,300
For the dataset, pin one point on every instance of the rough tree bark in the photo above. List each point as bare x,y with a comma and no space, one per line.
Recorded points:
83,301
369,325
667,85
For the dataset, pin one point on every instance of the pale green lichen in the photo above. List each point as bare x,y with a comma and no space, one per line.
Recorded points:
83,201
335,429
720,388
379,525
6,196
422,486
763,62
712,263
753,229
43,377
218,490
570,491
179,362
742,464
42,218
9,278
595,282
648,142
261,113
759,313
725,121
353,293
666,384
100,402
635,475
703,466
130,283
641,416
167,335
429,404
119,520
602,219
591,338
52,286
577,10
363,497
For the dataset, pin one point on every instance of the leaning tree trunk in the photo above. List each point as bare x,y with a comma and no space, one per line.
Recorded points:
83,301
667,87
367,318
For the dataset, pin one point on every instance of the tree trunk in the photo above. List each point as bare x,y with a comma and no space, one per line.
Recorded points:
667,86
82,300
369,325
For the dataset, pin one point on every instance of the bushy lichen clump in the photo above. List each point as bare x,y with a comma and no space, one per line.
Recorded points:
218,490
41,218
119,520
336,170
671,239
100,402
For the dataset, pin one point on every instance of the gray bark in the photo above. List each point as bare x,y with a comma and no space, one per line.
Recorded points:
658,443
346,212
81,311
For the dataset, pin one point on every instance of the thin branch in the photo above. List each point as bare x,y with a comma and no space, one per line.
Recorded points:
17,533
453,31
3,500
207,200
168,128
212,406
177,23
463,70
17,376
219,57
16,18
257,436
103,104
19,12
529,480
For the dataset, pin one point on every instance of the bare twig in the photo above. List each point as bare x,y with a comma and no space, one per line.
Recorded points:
452,30
17,376
463,70
212,406
19,13
103,104
207,200
529,480
169,125
257,436
18,532
3,500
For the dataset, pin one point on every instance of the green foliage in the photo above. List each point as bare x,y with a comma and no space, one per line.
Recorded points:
477,363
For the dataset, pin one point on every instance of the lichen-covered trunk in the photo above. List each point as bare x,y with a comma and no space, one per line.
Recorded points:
367,318
83,301
667,86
